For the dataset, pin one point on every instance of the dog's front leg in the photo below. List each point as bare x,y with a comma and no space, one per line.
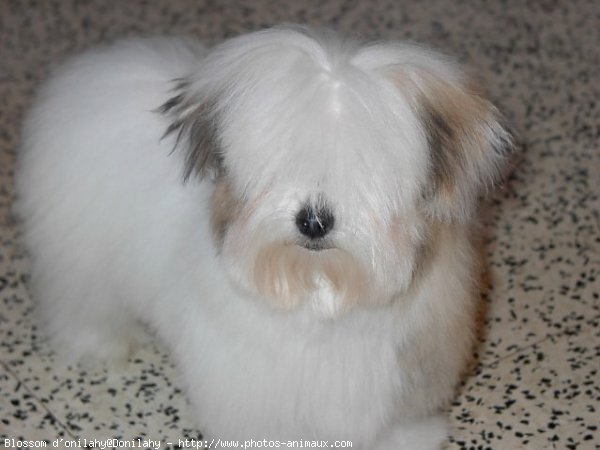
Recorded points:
425,434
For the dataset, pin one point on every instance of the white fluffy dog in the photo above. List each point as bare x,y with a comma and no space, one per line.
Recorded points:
291,212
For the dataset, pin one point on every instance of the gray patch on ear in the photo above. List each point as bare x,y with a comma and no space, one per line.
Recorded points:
469,149
446,157
195,126
505,142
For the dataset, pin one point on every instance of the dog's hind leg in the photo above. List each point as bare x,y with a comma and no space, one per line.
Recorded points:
84,322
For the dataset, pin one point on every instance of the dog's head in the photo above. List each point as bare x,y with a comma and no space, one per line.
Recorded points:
333,162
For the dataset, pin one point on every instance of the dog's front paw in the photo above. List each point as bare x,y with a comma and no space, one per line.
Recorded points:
425,434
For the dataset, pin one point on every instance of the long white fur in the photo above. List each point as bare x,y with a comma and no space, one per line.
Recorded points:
116,237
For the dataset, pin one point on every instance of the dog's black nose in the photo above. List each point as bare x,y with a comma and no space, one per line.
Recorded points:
314,223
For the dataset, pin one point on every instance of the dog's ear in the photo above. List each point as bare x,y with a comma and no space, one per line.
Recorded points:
194,122
469,143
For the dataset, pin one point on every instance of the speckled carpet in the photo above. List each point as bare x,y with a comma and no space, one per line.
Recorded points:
535,383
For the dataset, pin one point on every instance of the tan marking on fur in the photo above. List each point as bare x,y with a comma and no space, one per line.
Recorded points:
452,327
456,117
435,235
461,127
432,236
226,207
424,245
287,275
426,252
